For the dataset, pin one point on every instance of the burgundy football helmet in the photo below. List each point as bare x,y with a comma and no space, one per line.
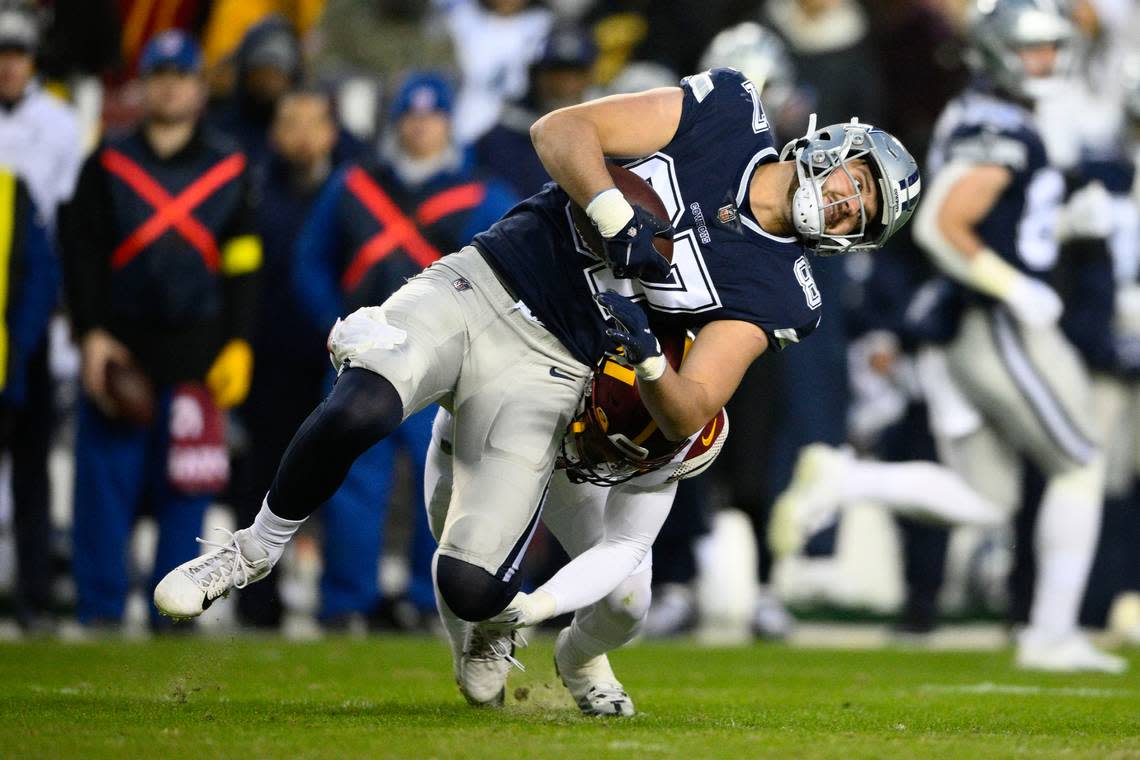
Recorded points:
614,438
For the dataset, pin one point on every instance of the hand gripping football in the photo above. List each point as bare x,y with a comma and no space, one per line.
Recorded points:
639,193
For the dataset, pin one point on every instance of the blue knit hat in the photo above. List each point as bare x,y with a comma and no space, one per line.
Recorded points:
172,49
422,92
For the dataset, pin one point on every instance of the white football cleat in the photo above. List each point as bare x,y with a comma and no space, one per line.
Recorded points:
487,659
770,618
189,589
592,682
1070,654
811,500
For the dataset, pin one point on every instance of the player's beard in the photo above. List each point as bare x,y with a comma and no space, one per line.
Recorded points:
793,186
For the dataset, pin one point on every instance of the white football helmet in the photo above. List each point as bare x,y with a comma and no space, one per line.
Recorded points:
1130,82
821,152
759,54
998,29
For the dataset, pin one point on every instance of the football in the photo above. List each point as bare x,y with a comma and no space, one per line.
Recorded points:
639,193
132,393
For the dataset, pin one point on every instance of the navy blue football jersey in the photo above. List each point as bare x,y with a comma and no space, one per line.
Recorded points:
724,265
978,128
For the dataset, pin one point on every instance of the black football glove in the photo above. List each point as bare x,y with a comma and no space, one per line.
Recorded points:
630,339
630,252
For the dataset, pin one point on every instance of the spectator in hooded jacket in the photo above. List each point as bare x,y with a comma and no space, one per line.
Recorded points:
268,64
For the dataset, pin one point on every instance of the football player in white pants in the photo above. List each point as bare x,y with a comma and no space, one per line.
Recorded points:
828,479
608,532
990,223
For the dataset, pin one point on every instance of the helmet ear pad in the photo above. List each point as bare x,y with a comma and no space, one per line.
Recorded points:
806,210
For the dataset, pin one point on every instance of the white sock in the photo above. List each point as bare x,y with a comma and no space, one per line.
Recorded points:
1065,541
925,490
273,532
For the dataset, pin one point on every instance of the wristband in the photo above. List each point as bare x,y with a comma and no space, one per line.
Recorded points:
990,274
610,212
651,369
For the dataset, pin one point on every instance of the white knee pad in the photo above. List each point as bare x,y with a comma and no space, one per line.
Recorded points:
631,598
363,332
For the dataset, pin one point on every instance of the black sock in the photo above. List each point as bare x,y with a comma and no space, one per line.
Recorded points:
362,409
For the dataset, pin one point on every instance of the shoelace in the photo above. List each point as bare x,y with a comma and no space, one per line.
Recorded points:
217,579
492,644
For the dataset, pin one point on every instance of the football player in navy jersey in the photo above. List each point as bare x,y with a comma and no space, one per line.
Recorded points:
1009,385
504,333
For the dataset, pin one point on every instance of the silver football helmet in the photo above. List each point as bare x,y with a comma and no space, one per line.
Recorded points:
819,153
998,29
1130,83
757,53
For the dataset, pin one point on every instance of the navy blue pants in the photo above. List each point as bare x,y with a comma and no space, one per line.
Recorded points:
120,473
354,524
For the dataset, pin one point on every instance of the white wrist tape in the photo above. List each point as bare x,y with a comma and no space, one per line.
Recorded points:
651,369
990,274
610,212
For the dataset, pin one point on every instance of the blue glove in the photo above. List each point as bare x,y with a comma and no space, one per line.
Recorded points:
631,254
631,340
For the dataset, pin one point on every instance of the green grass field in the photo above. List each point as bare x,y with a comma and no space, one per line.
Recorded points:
394,698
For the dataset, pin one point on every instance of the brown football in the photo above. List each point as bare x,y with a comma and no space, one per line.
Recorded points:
639,193
132,393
